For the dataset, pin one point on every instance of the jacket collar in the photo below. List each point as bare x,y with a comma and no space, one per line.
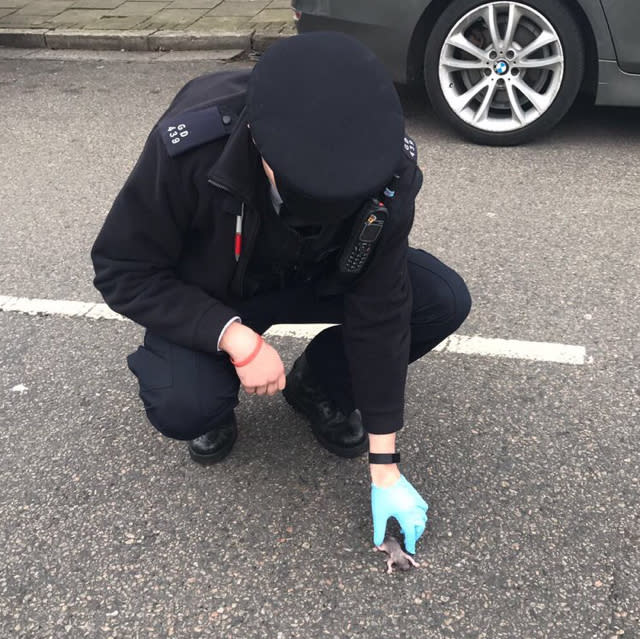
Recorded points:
235,170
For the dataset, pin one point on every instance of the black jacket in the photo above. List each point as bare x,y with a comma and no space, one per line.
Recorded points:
165,255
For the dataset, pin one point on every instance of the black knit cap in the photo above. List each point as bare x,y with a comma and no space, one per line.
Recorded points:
325,116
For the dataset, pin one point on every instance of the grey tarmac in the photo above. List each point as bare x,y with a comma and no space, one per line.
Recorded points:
530,469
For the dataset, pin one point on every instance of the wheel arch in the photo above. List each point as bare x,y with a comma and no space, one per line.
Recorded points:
590,79
419,37
424,26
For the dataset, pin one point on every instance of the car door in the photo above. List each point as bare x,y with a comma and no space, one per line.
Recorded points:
623,17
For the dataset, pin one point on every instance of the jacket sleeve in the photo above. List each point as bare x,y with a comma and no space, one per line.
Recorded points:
377,318
137,250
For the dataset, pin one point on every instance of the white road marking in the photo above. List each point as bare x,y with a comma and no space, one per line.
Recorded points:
65,308
514,349
467,345
19,388
475,345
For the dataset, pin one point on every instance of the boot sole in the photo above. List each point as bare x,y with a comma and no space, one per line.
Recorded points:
347,453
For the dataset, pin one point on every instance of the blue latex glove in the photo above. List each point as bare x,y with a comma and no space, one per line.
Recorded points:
402,501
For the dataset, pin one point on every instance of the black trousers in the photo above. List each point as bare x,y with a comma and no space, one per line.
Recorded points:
186,393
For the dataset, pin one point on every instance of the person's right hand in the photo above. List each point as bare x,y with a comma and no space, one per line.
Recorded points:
265,374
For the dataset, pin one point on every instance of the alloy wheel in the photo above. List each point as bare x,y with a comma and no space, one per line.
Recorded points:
501,66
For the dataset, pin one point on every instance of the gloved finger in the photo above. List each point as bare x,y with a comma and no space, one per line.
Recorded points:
415,517
418,523
249,390
282,382
418,530
408,530
261,390
417,497
410,539
379,527
272,389
420,517
419,501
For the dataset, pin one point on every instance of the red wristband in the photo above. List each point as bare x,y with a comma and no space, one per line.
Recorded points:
248,360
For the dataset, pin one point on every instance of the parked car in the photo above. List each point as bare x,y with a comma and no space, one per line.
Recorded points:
500,73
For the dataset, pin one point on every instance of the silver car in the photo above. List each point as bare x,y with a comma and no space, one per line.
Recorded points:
500,73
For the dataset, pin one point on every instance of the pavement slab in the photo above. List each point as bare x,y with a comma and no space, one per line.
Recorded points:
272,15
221,23
132,8
256,24
118,25
97,4
44,7
173,19
15,21
195,4
238,8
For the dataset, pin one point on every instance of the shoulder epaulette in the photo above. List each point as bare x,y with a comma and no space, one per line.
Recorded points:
191,129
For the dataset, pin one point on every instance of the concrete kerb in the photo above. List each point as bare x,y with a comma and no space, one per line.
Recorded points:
260,42
23,38
150,40
98,40
198,40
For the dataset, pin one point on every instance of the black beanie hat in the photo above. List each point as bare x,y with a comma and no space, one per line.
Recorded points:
325,116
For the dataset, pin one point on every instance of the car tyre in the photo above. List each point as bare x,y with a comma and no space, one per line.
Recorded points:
542,83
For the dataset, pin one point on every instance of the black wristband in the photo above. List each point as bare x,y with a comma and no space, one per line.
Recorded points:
384,458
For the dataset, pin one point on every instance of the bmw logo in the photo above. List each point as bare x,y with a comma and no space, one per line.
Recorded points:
501,67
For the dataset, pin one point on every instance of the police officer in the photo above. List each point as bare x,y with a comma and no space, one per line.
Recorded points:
284,194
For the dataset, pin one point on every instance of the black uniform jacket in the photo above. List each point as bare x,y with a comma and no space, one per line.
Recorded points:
165,255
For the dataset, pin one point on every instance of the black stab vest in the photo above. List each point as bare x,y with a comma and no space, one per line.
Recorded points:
287,253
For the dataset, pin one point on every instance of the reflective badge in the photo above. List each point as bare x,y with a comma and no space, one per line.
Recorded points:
410,148
192,129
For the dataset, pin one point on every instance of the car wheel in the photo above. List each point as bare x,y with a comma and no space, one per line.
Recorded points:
503,73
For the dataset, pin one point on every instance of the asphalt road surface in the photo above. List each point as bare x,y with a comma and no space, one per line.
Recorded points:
530,468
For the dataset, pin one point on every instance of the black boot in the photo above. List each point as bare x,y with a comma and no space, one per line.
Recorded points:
214,446
339,434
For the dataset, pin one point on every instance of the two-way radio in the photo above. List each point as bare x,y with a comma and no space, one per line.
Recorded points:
367,227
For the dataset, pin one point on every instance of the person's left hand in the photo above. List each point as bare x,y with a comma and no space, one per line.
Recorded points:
402,501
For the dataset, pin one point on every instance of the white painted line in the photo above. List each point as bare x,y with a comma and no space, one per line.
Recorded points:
102,311
514,349
20,388
474,345
304,331
490,347
64,308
